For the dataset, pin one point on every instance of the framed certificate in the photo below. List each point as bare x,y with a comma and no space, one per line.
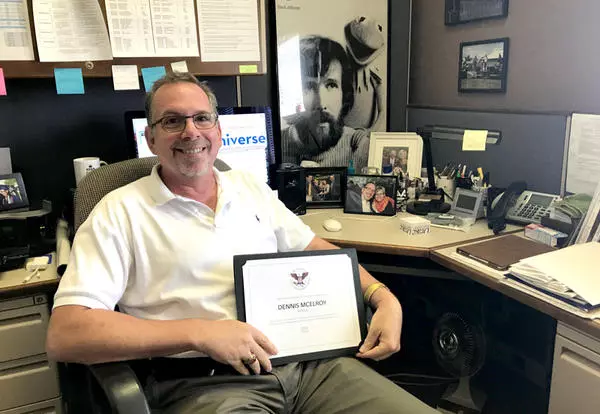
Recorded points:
309,303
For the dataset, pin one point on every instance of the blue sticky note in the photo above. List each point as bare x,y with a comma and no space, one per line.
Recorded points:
69,81
151,75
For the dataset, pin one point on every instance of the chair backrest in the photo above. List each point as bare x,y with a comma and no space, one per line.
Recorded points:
96,184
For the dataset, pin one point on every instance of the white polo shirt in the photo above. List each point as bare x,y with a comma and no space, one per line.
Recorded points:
162,256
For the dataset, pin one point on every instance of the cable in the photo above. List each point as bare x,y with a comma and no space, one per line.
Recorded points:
31,275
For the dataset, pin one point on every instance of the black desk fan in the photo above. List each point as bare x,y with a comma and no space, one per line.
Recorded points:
434,196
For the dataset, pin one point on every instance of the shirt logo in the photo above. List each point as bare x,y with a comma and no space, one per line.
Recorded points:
300,278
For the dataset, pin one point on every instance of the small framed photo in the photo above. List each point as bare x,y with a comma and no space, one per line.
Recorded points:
464,11
371,194
12,192
483,66
325,187
396,153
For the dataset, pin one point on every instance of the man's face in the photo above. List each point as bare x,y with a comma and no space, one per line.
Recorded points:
368,191
191,152
4,193
323,101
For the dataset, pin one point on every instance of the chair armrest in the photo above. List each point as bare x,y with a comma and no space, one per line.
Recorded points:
121,387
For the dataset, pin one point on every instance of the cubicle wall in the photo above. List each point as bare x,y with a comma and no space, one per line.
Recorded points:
45,131
531,148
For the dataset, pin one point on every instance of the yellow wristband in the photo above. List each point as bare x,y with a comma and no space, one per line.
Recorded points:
372,289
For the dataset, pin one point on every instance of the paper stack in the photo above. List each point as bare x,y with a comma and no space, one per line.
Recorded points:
570,274
590,226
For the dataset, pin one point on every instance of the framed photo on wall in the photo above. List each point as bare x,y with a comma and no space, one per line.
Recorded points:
325,187
371,194
396,153
12,192
464,11
332,60
483,66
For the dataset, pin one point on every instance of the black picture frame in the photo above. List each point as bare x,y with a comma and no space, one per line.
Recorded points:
354,190
12,192
483,66
322,191
238,272
464,11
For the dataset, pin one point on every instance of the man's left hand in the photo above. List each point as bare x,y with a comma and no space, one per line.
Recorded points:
383,338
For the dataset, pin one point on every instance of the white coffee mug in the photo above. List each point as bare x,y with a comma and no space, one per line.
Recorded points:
84,165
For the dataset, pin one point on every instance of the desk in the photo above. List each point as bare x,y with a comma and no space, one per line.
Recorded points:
11,281
576,364
378,234
28,380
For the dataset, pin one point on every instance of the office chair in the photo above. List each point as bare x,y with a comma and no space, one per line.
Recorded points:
117,380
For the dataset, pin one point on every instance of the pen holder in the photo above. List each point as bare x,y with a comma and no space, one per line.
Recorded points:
464,183
447,184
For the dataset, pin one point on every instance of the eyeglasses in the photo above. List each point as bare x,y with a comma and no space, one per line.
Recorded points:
176,123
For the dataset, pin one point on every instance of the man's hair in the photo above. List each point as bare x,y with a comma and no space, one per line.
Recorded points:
316,55
369,182
178,77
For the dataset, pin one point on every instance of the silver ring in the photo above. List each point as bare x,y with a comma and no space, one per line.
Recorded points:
251,360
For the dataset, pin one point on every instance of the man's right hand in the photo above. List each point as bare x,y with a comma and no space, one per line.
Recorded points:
233,342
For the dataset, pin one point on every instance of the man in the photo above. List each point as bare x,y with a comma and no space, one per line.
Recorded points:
318,134
361,203
392,160
161,248
8,197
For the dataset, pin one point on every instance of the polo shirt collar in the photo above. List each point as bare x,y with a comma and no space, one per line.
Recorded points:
161,194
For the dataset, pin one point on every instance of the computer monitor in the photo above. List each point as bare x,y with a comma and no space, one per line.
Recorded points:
247,136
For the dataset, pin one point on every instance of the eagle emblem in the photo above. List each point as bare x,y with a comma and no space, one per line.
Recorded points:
299,278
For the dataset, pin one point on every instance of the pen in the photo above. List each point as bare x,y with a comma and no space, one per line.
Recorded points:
480,172
464,171
486,179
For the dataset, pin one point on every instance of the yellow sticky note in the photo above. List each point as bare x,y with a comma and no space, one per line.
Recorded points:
180,66
474,140
248,69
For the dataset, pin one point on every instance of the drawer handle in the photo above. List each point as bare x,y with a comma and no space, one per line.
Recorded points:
11,323
26,369
581,362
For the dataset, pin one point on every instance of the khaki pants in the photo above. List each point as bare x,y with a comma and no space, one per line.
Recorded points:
341,385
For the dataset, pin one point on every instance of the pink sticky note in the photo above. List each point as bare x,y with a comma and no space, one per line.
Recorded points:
2,84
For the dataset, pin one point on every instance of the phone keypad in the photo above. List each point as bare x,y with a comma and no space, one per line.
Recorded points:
533,211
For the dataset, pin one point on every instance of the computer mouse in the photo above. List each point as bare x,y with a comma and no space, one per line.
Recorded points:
332,225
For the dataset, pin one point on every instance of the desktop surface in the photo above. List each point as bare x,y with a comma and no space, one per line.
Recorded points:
12,280
383,234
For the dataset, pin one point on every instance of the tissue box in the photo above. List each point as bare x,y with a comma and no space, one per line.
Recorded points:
545,235
414,225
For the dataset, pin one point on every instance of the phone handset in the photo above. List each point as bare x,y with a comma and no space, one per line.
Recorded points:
499,206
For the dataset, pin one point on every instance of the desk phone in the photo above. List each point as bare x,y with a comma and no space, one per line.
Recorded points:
530,207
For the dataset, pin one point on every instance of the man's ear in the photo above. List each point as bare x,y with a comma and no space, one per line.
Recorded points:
149,139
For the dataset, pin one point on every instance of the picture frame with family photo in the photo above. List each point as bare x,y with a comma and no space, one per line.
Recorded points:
325,187
396,153
12,192
371,194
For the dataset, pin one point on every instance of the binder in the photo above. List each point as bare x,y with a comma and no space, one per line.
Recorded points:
501,252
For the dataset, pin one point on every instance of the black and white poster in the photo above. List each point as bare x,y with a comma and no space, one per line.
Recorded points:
332,68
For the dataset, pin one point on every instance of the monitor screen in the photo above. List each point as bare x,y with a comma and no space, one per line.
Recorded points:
247,136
